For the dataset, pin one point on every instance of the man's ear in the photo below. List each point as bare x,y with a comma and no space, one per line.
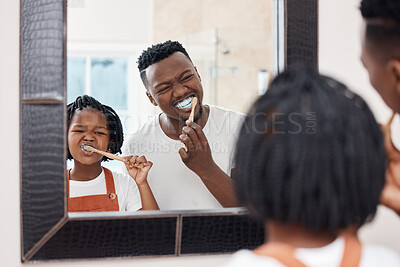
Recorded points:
151,98
394,66
197,73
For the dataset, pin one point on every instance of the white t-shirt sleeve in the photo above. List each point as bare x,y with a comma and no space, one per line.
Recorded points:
128,192
133,202
248,258
375,255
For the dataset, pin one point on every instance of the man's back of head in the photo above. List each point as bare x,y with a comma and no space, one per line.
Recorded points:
382,31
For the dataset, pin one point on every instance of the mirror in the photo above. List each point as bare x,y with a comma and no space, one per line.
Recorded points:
48,231
233,54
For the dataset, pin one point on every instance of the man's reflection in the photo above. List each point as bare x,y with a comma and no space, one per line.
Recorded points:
200,177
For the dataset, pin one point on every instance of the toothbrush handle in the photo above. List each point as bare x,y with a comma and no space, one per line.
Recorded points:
194,103
191,117
110,155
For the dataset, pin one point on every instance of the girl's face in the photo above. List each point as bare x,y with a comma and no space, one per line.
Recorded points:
88,127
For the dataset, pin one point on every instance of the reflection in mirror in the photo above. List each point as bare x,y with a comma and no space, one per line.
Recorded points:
232,51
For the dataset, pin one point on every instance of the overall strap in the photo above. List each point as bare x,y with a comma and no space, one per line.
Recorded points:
109,183
68,175
352,251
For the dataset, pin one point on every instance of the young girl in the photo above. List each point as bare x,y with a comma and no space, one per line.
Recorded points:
310,164
91,186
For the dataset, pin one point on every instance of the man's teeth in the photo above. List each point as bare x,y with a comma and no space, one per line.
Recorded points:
186,103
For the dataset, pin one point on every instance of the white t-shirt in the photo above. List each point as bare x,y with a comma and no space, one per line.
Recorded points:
175,186
327,256
125,188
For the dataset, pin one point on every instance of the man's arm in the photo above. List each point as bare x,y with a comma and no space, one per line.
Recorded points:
221,186
199,159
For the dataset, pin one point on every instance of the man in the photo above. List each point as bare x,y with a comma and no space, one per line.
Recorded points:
198,178
381,57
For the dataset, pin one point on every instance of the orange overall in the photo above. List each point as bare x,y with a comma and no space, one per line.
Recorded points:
106,202
285,253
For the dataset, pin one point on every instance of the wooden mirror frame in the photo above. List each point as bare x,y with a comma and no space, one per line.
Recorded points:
48,232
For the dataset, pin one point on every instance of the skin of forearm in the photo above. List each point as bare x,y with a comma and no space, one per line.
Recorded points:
220,185
147,197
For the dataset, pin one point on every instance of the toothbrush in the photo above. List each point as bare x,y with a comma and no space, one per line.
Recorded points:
191,116
108,155
194,103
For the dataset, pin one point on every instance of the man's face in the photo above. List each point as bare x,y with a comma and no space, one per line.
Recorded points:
172,83
382,76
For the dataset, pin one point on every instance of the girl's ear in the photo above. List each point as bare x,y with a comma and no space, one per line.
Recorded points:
110,145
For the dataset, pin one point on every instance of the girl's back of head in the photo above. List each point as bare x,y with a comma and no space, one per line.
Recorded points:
310,153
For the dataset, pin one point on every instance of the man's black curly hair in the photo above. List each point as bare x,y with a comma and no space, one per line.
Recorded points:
156,53
310,153
383,25
113,121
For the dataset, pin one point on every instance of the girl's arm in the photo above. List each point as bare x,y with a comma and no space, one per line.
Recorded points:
147,197
139,174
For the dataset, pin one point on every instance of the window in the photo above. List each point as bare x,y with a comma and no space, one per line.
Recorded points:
109,74
106,79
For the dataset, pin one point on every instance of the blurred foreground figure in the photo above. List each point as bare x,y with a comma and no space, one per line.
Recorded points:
310,164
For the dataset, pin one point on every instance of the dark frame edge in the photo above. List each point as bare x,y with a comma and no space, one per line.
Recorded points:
317,33
25,257
65,104
307,13
58,226
178,235
20,136
286,37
